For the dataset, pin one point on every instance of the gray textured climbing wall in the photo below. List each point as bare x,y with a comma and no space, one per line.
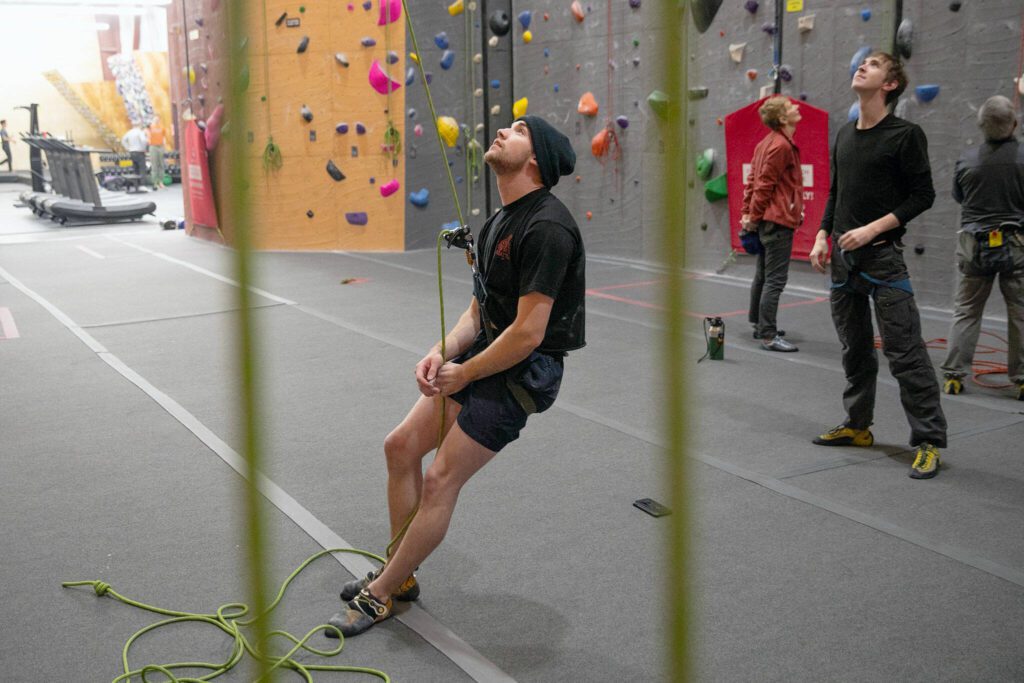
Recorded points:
971,54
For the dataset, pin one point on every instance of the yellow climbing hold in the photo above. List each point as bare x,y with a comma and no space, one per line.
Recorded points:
191,76
455,9
527,36
414,57
449,129
519,108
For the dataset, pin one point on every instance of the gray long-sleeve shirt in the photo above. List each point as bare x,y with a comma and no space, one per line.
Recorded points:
988,182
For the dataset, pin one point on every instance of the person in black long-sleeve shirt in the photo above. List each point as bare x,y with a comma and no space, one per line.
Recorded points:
881,180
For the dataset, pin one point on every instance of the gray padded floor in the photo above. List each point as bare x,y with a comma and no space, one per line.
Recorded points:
810,564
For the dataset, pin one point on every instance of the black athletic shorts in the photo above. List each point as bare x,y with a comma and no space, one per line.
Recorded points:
491,415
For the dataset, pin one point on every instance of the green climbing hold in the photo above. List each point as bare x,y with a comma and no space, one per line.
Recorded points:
716,189
705,163
658,102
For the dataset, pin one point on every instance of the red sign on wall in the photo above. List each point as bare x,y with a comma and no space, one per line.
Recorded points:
743,130
195,174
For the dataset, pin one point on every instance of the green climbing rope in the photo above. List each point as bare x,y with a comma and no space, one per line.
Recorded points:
229,618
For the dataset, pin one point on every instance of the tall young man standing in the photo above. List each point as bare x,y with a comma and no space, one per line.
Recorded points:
881,180
531,261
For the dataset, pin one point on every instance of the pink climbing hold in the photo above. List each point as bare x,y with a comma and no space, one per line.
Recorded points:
380,80
212,132
389,188
390,10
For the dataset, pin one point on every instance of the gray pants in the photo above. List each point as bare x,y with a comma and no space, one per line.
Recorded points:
971,295
899,324
156,162
771,277
8,158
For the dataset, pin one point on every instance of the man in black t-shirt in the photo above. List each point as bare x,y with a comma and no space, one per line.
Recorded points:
881,179
505,359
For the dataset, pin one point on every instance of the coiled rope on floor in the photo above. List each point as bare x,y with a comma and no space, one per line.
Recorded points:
229,617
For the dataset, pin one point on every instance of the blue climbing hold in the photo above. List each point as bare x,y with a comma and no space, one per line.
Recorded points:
854,112
858,58
556,87
524,19
392,57
410,76
441,40
547,52
865,14
420,198
495,84
429,76
926,93
357,218
447,59
367,5
367,42
342,128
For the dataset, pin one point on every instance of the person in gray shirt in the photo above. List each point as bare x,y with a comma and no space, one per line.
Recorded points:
988,182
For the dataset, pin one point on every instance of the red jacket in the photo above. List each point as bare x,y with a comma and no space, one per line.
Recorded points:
774,188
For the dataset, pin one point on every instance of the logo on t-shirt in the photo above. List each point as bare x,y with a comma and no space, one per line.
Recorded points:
504,249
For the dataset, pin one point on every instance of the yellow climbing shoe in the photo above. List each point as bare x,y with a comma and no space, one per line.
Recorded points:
926,462
952,385
846,436
1020,391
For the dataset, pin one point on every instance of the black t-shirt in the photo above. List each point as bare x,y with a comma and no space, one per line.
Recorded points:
878,171
534,245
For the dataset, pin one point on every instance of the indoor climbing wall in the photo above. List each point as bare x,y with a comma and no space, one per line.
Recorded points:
961,53
324,93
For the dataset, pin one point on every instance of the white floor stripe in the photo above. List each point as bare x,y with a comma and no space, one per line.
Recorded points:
90,252
416,618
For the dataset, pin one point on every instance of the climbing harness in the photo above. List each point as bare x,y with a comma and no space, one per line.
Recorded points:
853,269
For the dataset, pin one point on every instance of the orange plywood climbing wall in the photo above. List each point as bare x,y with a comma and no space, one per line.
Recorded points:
299,206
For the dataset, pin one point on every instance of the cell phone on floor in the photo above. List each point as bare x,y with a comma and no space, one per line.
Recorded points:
652,507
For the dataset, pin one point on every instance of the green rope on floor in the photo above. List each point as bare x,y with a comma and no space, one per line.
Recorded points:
229,619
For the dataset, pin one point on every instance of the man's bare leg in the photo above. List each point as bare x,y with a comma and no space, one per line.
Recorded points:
459,458
404,449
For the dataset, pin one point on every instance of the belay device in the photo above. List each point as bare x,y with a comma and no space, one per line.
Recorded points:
714,335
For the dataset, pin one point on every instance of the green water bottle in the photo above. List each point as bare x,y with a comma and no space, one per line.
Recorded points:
716,338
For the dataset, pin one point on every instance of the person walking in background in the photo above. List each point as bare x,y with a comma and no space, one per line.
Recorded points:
881,180
773,206
137,144
988,182
5,142
157,139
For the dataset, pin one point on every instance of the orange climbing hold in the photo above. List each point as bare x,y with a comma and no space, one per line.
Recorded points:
577,10
587,105
590,214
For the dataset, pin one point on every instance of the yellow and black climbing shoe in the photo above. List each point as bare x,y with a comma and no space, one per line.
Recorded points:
407,592
926,462
359,615
845,436
1020,391
951,384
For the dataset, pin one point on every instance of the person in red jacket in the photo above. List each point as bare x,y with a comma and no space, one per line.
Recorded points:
773,206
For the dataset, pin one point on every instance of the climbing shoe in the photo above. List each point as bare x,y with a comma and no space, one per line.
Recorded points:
846,436
779,333
778,344
407,592
1020,391
359,615
952,384
926,462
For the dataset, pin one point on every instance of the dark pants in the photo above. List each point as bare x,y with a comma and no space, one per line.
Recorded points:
771,276
899,324
7,157
139,163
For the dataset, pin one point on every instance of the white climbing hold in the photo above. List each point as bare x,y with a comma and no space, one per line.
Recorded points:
736,52
805,23
493,41
495,110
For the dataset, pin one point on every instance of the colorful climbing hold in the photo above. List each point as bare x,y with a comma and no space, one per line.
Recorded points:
705,163
447,59
587,104
750,6
478,58
367,42
634,4
752,74
389,188
307,114
499,23
698,93
341,128
420,198
590,214
390,10
658,102
303,44
456,8
527,36
926,93
520,106
865,14
341,58
410,76
805,23
547,52
412,113
417,130
356,218
493,41
414,57
524,18
555,88
441,40
769,28
858,58
600,142
577,11
479,92
622,121
449,129
392,57
495,83
309,213
334,171
786,73
360,128
955,6
716,188
367,5
380,81
495,110
736,52
854,112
